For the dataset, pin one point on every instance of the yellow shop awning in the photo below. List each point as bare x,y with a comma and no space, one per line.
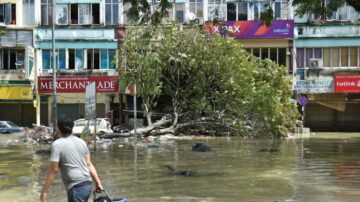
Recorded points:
16,93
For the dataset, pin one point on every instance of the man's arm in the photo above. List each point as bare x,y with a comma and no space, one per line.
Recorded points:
93,173
54,166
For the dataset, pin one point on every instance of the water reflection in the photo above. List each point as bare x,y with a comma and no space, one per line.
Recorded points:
321,168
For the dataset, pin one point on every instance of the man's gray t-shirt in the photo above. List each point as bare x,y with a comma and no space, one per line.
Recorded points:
70,152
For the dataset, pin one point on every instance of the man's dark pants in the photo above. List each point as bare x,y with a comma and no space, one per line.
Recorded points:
80,192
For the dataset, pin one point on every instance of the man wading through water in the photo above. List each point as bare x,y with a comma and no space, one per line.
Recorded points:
71,155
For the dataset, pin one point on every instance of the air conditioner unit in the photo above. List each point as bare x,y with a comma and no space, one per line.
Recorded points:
316,63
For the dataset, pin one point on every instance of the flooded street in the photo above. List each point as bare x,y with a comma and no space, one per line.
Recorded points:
324,167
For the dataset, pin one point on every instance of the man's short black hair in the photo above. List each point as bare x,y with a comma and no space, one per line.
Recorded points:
65,125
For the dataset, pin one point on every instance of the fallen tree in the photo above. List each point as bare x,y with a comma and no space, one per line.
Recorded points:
205,84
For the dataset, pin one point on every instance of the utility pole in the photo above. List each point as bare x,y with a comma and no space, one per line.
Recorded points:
54,109
135,114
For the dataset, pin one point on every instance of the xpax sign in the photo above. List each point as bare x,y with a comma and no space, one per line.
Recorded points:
77,84
347,83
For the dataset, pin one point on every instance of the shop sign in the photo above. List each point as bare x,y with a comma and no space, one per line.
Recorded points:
347,83
256,29
314,86
77,84
90,101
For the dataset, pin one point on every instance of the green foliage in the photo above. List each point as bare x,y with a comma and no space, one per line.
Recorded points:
355,4
317,7
267,16
140,11
209,80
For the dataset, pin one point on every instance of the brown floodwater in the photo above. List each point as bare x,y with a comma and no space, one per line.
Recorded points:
322,167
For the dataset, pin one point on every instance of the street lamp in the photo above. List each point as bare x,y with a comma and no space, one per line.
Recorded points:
54,104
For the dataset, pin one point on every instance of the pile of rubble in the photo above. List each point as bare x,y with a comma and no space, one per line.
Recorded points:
38,134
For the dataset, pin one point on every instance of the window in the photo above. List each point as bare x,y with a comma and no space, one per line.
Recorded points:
108,59
180,13
46,59
75,59
327,57
62,14
95,13
242,11
344,57
8,14
11,59
196,7
84,14
332,57
335,57
215,9
353,57
281,9
345,12
60,58
46,12
93,58
277,55
111,12
29,12
231,11
74,14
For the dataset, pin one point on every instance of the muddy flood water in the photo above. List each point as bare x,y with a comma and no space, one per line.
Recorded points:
322,167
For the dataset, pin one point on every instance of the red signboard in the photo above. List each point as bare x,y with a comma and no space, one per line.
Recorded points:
77,84
347,84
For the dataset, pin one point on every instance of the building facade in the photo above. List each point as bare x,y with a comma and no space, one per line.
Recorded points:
327,60
323,57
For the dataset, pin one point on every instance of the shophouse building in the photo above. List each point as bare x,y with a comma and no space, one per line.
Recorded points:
241,20
328,73
17,72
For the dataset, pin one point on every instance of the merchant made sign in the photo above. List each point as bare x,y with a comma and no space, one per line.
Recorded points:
77,84
347,83
314,86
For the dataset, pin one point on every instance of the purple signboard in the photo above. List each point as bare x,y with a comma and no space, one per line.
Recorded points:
253,29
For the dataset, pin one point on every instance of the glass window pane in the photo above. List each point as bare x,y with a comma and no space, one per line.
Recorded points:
326,57
115,14
179,12
282,56
62,58
335,57
62,13
353,57
7,14
199,10
79,59
44,15
242,11
112,58
104,59
317,53
84,14
231,12
273,54
256,52
108,20
344,57
309,54
277,9
256,11
2,13
300,57
46,59
264,53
